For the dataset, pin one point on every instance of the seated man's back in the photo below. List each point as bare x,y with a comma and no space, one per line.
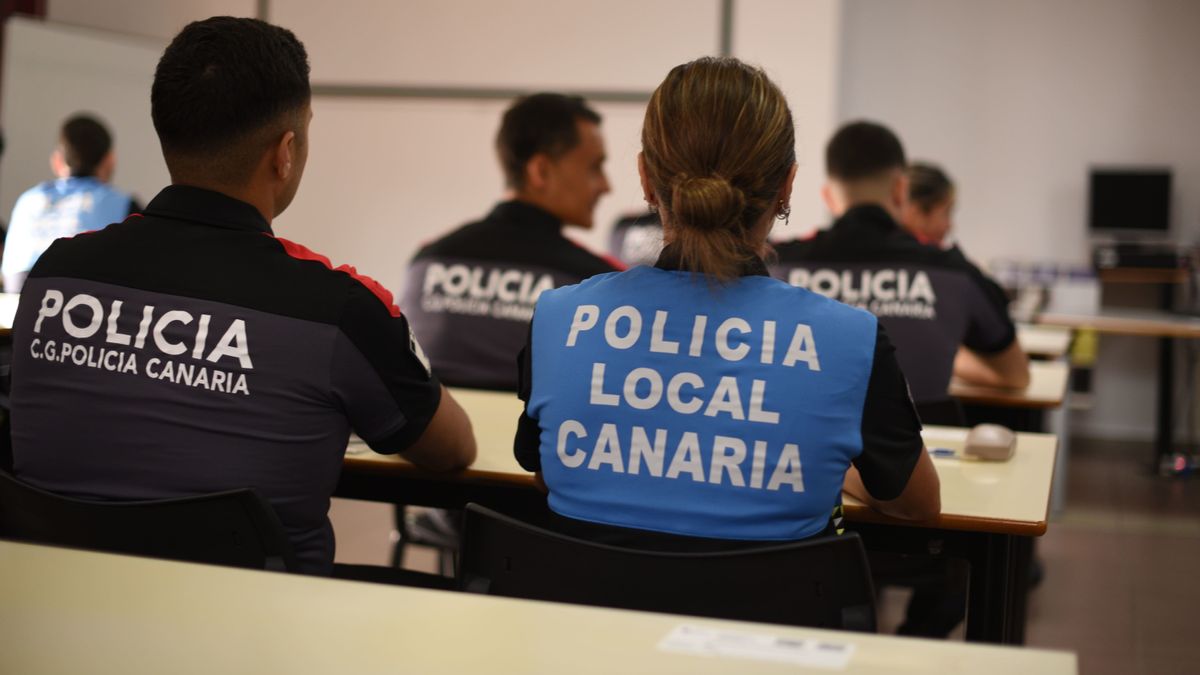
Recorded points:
189,350
944,316
164,357
470,294
931,301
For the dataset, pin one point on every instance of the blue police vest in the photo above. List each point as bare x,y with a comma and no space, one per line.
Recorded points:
55,209
669,403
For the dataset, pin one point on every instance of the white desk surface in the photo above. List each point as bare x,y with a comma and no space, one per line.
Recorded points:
1047,388
1006,497
67,611
1045,341
1123,321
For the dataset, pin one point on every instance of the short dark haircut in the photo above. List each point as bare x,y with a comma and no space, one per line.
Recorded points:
85,142
928,185
220,84
863,150
539,123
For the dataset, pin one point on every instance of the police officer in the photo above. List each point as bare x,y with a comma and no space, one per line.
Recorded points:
79,199
191,350
470,294
938,307
700,397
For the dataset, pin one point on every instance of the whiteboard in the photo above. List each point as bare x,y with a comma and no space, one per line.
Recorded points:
570,44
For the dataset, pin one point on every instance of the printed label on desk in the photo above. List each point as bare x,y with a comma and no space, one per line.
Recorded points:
690,639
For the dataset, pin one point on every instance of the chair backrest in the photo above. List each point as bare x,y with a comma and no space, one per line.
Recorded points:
822,582
237,528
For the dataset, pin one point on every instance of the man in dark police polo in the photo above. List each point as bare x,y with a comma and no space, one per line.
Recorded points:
470,294
938,308
191,350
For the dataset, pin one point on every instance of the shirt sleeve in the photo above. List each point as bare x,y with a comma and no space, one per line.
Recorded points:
989,328
891,430
527,444
379,375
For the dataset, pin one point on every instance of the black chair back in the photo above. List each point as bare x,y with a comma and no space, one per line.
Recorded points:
237,528
822,582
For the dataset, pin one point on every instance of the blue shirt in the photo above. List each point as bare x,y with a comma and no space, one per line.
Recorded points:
54,209
665,402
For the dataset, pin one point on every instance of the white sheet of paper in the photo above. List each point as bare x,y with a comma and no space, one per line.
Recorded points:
691,639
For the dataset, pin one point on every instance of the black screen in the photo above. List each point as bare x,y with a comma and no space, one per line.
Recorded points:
1123,199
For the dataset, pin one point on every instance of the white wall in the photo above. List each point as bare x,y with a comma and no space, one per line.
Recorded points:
592,44
798,44
1016,99
157,19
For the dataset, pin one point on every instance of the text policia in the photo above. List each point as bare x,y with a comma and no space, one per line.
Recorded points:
685,393
84,316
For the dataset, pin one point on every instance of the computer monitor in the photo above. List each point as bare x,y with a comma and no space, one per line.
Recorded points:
1130,200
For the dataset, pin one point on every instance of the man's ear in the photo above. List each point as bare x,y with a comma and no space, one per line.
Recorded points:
58,164
537,172
827,196
283,154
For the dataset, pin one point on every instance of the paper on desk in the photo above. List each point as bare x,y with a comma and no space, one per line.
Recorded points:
692,639
946,434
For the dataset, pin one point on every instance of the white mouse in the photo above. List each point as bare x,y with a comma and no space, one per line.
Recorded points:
992,442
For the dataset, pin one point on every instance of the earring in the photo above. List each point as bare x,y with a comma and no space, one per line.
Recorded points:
784,212
653,206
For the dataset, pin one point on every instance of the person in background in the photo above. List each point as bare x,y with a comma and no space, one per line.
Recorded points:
935,303
190,350
79,199
700,399
927,213
470,294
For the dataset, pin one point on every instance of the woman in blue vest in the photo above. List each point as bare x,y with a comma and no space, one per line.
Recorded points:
700,397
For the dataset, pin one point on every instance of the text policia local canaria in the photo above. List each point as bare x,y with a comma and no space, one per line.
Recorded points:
685,393
86,324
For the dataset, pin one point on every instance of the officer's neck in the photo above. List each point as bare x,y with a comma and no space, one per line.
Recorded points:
532,199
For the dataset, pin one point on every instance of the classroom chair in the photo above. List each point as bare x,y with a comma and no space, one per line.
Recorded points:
821,582
237,528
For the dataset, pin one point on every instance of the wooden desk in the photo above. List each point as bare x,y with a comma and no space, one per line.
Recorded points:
1047,389
1146,322
70,611
1167,326
989,511
1047,342
1143,275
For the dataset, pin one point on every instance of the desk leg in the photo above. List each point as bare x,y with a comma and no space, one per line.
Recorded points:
1166,389
991,601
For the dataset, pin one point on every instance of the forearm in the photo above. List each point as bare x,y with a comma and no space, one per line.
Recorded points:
1009,368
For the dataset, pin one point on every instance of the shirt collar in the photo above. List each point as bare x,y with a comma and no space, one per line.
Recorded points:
526,215
197,205
871,216
669,260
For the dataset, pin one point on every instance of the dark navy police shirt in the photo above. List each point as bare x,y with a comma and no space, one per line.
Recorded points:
191,351
470,294
931,300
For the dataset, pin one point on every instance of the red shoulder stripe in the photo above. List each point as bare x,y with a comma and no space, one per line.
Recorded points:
615,263
300,252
